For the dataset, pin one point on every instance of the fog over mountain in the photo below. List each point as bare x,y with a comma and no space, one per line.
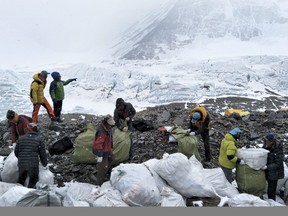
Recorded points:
147,53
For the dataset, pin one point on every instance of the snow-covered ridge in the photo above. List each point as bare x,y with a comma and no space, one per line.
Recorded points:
149,83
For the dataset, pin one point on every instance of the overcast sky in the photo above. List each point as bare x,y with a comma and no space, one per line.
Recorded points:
53,29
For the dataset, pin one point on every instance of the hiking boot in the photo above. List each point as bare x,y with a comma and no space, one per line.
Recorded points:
53,118
59,120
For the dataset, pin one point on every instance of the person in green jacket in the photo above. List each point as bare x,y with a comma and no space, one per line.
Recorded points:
228,153
57,93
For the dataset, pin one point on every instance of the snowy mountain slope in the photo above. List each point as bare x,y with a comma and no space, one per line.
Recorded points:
189,22
150,83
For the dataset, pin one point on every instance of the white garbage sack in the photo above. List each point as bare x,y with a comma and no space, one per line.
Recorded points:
185,176
80,195
10,169
171,198
222,186
109,197
247,200
255,158
37,198
13,195
5,186
136,184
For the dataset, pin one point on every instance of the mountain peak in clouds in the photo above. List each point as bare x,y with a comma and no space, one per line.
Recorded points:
182,23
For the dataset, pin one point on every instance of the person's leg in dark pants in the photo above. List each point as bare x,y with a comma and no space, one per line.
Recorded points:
57,106
271,191
228,174
102,169
22,175
205,138
33,174
131,129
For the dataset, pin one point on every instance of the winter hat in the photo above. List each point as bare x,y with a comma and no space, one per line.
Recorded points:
109,119
235,131
195,117
10,114
119,102
56,75
44,72
270,136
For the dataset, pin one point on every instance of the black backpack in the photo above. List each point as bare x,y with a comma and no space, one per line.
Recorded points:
60,146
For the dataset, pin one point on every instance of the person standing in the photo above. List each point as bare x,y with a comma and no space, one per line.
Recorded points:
102,147
274,168
29,148
18,123
228,153
37,96
57,93
199,124
125,112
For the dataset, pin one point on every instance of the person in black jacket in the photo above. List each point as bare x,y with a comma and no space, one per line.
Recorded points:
29,148
274,168
123,114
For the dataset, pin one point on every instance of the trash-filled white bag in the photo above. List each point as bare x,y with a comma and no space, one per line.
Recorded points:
136,184
255,158
171,198
10,169
222,186
13,195
79,195
247,200
45,176
109,197
185,176
5,186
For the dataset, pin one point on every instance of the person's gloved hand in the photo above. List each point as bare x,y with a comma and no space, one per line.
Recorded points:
45,167
242,162
188,131
264,168
125,129
192,133
99,159
127,118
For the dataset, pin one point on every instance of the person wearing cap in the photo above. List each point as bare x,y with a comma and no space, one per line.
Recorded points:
56,91
274,168
228,153
199,124
18,124
102,147
37,96
124,112
29,148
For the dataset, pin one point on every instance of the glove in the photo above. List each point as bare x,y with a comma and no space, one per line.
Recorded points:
127,119
99,159
192,133
242,162
125,129
45,167
188,131
264,168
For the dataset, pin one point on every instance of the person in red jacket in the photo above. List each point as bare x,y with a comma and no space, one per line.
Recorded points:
102,147
18,124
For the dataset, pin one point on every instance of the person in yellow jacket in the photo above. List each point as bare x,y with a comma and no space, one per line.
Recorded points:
199,124
228,153
37,96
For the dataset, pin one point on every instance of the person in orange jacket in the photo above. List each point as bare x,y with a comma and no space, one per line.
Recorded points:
37,96
199,124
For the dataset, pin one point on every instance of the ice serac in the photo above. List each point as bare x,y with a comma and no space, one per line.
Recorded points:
178,25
